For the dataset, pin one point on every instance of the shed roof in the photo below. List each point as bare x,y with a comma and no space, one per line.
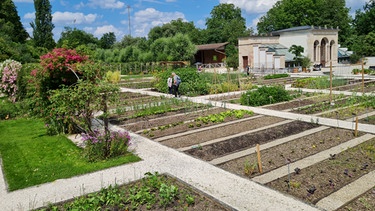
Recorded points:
212,46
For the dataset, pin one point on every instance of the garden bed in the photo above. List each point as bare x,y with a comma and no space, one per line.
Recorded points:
293,150
321,179
154,192
215,150
220,131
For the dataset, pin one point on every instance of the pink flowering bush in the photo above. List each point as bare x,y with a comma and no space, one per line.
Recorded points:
9,70
104,145
59,66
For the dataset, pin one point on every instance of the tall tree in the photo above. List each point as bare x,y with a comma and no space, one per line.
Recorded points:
293,13
173,28
43,26
10,22
72,38
107,40
364,20
225,24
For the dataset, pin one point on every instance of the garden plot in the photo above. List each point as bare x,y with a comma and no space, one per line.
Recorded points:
137,83
231,144
356,86
321,179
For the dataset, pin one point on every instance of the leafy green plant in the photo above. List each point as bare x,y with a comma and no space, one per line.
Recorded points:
265,95
274,76
249,168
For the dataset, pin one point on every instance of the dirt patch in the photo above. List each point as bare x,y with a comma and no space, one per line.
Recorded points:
219,132
366,202
142,123
293,150
180,127
321,179
232,145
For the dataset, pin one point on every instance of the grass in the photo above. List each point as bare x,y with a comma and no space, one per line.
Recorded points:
30,157
136,76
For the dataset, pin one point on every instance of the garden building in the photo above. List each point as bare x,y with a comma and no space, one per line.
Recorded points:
272,52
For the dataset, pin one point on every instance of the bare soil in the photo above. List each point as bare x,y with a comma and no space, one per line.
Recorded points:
232,145
186,126
153,121
293,150
321,179
366,202
220,132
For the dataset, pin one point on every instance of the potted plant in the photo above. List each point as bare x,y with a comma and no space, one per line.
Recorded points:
306,63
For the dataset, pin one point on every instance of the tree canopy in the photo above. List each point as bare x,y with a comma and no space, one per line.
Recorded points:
364,20
42,25
292,13
10,22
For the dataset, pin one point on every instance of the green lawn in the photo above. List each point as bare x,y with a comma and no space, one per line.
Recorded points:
30,157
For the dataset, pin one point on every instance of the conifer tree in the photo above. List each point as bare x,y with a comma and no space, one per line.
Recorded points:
10,23
42,25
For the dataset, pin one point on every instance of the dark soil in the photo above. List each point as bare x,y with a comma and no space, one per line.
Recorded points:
232,145
293,150
329,175
366,202
142,123
369,120
184,127
220,132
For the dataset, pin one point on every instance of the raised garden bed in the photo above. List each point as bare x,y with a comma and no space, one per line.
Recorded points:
215,150
293,150
321,179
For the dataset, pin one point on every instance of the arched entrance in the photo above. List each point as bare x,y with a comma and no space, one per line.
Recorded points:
316,50
331,44
323,51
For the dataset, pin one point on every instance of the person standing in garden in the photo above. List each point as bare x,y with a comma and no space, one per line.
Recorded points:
176,84
169,83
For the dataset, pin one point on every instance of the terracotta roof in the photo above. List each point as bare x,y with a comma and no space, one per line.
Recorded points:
212,46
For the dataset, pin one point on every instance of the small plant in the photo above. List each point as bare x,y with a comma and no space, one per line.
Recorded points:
249,168
100,146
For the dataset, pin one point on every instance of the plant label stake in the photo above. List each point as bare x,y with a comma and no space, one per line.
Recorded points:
259,160
356,127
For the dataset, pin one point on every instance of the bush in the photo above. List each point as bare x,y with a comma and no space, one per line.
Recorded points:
8,74
274,76
265,95
193,83
8,109
102,145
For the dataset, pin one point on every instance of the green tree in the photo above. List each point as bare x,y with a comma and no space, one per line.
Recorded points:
173,28
10,22
292,13
72,38
107,40
225,24
297,50
364,21
42,25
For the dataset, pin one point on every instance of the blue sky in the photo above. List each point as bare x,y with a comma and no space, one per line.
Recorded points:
101,16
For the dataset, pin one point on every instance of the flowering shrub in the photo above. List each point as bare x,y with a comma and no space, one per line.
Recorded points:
8,84
59,66
102,145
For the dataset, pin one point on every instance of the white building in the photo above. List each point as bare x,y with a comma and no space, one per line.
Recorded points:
272,52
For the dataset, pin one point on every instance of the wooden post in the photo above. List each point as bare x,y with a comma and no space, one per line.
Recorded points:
356,127
330,83
259,160
363,77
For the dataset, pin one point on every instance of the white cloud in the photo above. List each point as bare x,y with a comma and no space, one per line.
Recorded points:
30,15
106,4
73,18
255,6
146,19
99,31
356,4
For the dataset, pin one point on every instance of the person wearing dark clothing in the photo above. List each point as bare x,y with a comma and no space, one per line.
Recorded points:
176,84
